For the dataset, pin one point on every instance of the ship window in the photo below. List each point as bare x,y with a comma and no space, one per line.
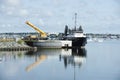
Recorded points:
66,45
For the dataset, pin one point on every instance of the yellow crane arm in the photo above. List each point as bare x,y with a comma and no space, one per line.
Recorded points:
43,34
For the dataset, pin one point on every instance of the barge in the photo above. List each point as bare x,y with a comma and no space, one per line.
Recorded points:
50,43
42,40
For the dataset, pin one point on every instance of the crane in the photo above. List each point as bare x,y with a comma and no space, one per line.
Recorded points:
42,33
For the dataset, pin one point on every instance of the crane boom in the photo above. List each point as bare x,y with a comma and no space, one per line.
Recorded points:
42,33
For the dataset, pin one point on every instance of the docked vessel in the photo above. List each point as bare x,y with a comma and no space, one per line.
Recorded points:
72,38
42,40
76,35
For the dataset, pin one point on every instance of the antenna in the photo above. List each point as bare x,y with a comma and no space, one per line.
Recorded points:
75,20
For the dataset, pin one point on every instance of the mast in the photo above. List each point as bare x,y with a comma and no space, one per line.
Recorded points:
75,20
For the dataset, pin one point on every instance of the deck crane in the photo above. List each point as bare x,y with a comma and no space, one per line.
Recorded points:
42,33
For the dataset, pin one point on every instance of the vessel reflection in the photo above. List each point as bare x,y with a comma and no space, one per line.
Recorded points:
75,56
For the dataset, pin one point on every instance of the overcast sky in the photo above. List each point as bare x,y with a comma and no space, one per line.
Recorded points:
96,16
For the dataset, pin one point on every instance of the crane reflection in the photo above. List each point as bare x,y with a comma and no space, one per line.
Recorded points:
74,56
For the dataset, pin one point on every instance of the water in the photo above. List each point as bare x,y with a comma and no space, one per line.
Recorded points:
98,61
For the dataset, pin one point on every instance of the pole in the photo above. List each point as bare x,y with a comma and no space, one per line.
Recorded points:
75,20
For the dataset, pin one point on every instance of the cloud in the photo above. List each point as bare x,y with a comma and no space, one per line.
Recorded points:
8,25
56,2
41,22
3,25
12,2
57,13
24,12
49,13
12,8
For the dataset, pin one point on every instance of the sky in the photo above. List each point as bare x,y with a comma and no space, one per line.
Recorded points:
95,16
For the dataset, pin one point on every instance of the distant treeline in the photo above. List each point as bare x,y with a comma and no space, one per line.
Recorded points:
89,35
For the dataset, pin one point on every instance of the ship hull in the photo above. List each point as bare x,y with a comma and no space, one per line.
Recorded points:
78,41
49,43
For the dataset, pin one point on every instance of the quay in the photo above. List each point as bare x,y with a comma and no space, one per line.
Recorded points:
14,46
19,49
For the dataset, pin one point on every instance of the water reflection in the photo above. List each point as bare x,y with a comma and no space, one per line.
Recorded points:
75,56
11,55
102,63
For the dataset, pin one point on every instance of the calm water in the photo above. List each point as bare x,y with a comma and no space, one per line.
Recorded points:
98,61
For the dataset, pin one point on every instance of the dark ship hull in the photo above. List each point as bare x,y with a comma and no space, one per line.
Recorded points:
77,41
